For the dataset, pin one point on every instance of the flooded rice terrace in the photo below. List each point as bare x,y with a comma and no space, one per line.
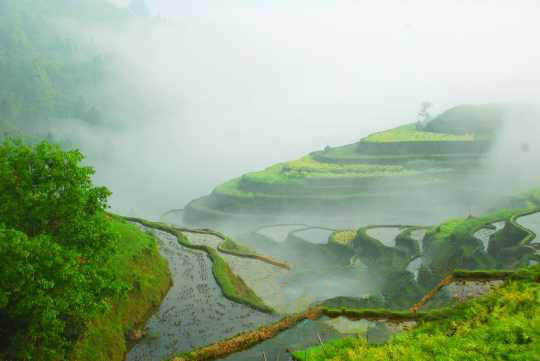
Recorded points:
485,233
278,233
387,235
313,235
194,312
531,222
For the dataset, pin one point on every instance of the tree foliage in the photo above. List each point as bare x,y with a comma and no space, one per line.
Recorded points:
55,242
47,72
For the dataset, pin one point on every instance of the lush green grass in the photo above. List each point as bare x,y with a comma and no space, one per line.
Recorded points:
140,265
503,325
409,133
309,165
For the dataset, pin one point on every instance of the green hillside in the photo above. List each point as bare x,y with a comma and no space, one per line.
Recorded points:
387,166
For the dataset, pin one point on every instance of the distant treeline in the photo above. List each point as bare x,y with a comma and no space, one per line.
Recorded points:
47,72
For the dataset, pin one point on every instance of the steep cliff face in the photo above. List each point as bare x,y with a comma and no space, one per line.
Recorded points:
401,170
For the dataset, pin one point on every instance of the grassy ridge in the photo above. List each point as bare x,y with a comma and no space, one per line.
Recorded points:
409,133
140,264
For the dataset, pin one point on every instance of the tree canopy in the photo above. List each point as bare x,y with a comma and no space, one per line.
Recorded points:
55,241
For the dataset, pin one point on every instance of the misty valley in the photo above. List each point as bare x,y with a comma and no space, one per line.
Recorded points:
170,187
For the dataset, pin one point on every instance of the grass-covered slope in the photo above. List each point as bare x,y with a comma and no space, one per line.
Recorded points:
389,165
139,264
503,325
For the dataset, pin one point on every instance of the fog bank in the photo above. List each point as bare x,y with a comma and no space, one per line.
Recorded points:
215,89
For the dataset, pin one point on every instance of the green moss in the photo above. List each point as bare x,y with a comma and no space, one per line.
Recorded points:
139,263
500,325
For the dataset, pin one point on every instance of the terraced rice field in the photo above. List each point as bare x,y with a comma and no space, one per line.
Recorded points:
387,235
278,233
314,235
263,278
485,233
194,312
531,222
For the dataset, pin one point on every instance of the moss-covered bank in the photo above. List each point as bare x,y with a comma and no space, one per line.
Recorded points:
140,264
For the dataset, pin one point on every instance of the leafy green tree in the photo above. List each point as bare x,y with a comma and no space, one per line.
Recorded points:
44,190
55,243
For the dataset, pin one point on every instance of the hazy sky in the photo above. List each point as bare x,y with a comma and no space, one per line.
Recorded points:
242,84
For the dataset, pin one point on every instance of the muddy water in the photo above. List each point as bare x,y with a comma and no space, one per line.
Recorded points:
531,222
194,312
485,233
387,235
315,236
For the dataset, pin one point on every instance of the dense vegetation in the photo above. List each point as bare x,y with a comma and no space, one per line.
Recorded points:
56,244
51,70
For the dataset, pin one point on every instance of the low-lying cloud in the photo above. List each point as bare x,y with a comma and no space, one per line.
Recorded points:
215,89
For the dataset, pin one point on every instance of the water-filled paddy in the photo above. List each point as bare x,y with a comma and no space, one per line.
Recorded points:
263,278
303,288
314,235
485,233
278,233
414,266
387,235
531,222
194,312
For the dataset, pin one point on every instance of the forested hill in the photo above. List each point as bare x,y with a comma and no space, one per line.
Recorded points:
47,72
